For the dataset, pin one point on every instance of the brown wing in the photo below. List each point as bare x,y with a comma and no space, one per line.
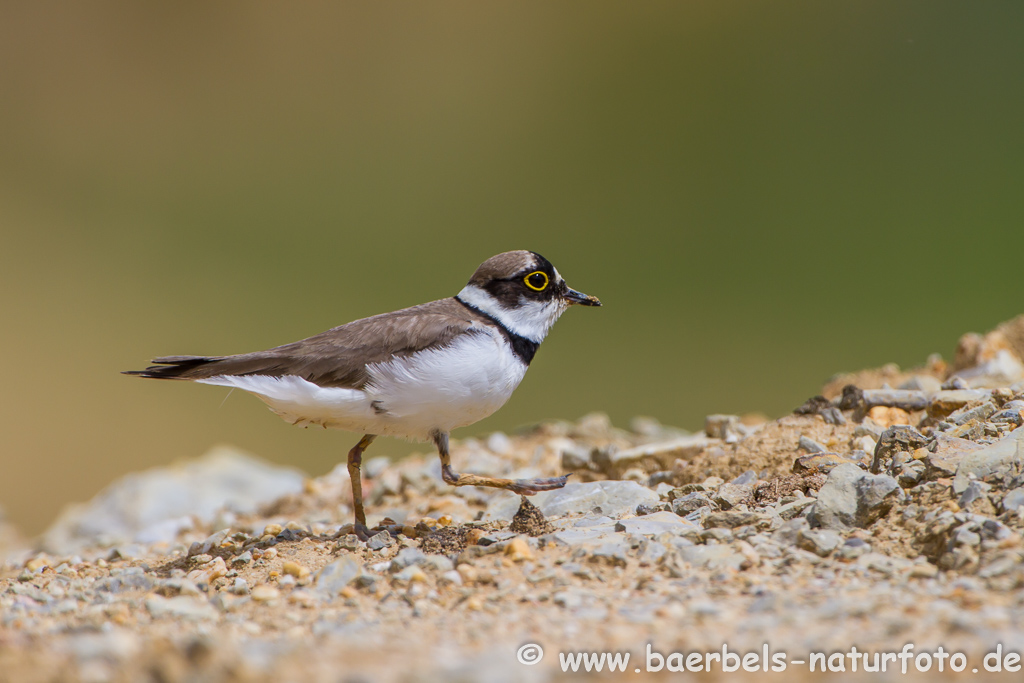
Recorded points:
337,357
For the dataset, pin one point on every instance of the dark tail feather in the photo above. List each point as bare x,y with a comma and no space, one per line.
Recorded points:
178,367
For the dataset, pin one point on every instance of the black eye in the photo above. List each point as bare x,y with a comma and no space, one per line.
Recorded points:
536,281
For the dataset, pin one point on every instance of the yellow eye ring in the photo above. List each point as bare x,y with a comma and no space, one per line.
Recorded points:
537,280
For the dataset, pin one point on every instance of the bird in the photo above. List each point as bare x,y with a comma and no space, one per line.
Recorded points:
416,373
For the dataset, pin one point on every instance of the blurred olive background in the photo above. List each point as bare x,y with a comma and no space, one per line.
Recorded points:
762,194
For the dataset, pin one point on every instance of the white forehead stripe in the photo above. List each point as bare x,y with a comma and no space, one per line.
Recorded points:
529,319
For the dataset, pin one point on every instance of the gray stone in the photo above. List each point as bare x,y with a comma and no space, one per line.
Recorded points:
576,458
717,533
583,536
336,575
612,552
731,519
593,520
711,556
1000,371
897,398
947,452
974,491
154,505
1011,413
242,560
380,540
894,440
821,542
748,477
810,445
923,383
663,454
852,497
181,607
1014,499
1001,460
725,427
729,496
686,504
614,498
654,524
651,553
131,578
212,541
965,415
407,557
791,510
853,548
699,515
571,598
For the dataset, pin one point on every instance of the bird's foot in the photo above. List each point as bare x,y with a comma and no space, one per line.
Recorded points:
528,487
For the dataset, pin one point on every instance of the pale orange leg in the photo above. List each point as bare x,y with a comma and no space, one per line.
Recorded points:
526,487
355,460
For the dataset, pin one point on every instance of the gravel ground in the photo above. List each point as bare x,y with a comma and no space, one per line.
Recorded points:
888,511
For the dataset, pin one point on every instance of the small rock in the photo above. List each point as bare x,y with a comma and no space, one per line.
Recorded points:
576,458
380,540
518,550
923,571
653,524
895,398
979,413
810,445
336,576
242,560
731,519
852,497
791,510
853,548
180,607
212,542
898,439
819,405
922,383
748,477
613,553
265,593
411,574
729,496
614,498
718,534
1014,499
822,463
948,401
1002,460
684,505
728,428
712,556
821,542
295,569
407,557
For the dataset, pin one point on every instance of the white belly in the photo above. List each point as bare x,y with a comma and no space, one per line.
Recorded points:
412,397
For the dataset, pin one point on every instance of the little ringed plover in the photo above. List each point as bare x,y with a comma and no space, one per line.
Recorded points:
417,373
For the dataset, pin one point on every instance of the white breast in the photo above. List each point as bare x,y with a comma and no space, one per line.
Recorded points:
411,397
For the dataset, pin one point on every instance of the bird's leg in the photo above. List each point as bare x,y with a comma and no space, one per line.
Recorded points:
526,487
355,460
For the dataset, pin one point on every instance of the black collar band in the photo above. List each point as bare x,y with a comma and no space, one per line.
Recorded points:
525,349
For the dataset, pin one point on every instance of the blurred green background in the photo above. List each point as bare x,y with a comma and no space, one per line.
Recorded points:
762,194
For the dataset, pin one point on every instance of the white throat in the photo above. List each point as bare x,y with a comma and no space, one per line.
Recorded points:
529,319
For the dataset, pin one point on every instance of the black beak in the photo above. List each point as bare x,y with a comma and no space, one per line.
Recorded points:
574,297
